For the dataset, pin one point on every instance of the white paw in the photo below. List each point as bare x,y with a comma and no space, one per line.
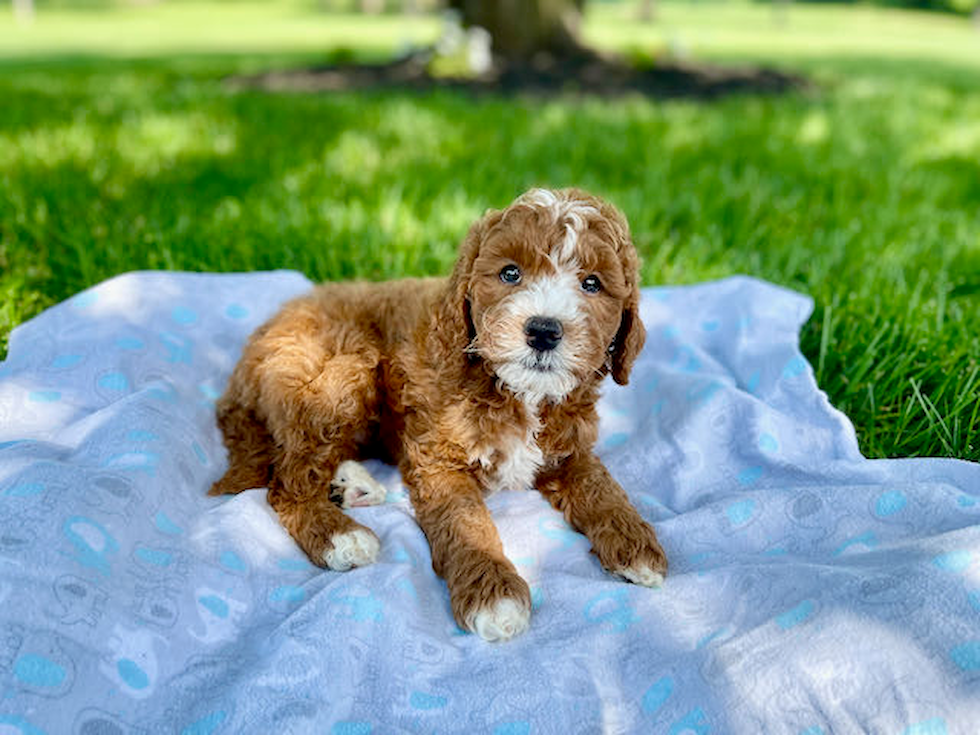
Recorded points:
356,486
505,619
642,574
356,548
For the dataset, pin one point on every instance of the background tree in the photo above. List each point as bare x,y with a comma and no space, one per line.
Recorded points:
524,29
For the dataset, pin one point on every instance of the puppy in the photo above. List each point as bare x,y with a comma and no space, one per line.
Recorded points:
483,381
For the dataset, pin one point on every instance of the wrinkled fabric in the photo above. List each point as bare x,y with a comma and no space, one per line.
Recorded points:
811,590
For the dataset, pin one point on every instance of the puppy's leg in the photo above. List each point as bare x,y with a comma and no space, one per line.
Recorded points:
249,447
317,392
486,593
300,493
328,536
595,504
315,436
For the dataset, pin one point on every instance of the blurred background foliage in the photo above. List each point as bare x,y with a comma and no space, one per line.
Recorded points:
424,6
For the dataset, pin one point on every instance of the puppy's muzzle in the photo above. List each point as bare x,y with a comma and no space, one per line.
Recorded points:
543,333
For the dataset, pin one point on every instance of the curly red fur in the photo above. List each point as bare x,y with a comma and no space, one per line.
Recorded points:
416,372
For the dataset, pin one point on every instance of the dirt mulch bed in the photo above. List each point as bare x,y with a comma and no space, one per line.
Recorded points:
585,74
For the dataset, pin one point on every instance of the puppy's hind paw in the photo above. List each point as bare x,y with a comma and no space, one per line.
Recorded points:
353,487
357,547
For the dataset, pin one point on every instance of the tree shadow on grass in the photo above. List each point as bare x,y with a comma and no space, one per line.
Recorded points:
591,74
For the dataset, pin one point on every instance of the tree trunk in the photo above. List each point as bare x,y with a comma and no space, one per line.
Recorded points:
524,29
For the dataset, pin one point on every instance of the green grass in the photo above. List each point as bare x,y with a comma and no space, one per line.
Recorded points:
121,149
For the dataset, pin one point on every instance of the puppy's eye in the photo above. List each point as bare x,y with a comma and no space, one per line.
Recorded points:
510,274
591,284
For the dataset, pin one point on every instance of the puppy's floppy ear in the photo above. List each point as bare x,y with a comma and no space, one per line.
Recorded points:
453,323
632,334
629,339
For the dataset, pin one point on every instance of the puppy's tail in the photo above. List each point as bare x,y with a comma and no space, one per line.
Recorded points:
250,450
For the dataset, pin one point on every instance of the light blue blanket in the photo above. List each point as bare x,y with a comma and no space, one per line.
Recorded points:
811,590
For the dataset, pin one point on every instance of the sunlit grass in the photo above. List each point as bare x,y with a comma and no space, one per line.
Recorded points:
799,32
120,148
167,28
721,30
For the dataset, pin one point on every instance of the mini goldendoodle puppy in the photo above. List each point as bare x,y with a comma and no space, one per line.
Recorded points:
486,380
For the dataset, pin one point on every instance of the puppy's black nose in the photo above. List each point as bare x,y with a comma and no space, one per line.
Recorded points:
543,332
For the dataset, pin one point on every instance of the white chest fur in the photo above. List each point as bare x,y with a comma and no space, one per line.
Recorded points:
516,466
517,459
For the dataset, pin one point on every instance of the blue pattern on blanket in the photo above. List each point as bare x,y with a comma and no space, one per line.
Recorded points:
812,591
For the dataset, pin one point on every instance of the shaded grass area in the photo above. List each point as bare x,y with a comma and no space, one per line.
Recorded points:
863,195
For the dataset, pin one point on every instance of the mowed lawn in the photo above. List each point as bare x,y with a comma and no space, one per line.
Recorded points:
122,149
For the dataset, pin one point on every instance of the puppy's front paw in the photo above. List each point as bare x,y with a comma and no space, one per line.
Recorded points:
355,547
629,549
503,620
494,603
642,574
